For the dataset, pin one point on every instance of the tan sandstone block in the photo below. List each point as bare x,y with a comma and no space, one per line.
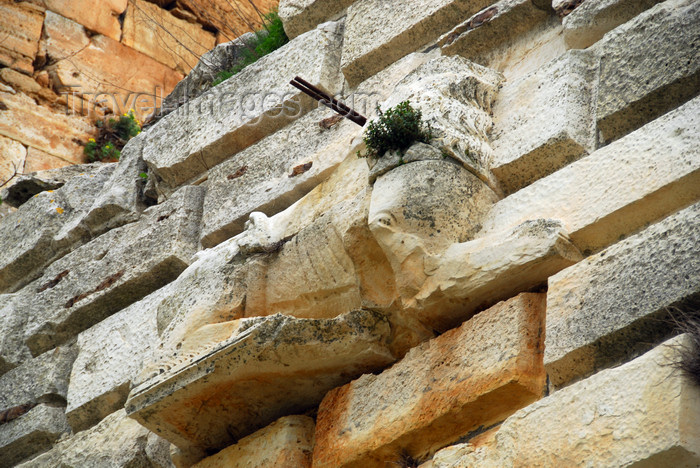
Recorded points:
288,442
259,370
157,33
642,414
232,19
20,31
618,189
97,15
300,16
469,377
57,134
13,156
648,66
591,20
368,47
613,304
38,160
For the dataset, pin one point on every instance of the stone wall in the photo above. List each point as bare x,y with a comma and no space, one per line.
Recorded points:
507,295
64,64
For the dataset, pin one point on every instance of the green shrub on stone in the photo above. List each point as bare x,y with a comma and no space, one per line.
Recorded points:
396,130
114,134
271,38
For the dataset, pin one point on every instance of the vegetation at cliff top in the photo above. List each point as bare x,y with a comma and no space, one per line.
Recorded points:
113,135
396,130
271,38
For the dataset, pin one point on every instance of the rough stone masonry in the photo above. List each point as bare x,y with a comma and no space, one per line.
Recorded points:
507,294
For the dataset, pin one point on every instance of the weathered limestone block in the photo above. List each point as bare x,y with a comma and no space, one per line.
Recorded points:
616,190
117,441
613,418
200,78
262,369
544,121
13,351
31,433
648,66
96,15
38,160
299,16
492,27
157,33
38,126
113,271
45,228
20,81
442,291
34,182
90,69
112,353
44,379
473,376
591,20
603,308
20,31
369,48
288,441
455,97
121,200
243,109
420,209
274,173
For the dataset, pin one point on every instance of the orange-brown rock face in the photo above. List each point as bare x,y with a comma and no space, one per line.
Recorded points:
36,126
99,16
231,18
169,40
472,376
20,30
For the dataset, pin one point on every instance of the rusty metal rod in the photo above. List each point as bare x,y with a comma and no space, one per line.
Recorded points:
328,101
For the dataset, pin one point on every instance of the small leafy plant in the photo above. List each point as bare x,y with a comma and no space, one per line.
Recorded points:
396,130
271,38
114,134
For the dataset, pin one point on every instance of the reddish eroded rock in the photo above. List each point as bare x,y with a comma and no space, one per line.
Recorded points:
15,412
472,376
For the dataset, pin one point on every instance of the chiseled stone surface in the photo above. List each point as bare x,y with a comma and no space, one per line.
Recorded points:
96,15
588,23
38,126
544,121
288,442
20,31
111,354
262,369
117,442
299,16
618,189
14,155
13,350
260,179
30,183
613,418
32,433
47,227
492,27
455,97
112,271
648,66
245,108
472,376
231,18
44,379
367,48
157,33
607,305
447,289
